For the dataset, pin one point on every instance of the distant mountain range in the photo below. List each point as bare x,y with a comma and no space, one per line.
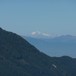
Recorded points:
19,58
57,46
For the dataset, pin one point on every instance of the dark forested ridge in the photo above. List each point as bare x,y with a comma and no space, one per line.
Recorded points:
19,58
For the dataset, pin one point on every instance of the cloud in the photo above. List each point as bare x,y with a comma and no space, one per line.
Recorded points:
46,34
34,33
40,34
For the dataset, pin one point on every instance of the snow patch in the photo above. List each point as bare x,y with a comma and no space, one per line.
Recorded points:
54,65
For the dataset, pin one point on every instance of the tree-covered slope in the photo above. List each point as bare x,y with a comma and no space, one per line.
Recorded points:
19,58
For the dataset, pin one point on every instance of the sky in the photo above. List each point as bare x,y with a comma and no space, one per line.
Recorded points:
56,17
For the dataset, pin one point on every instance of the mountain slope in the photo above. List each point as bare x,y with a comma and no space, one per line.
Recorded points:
19,58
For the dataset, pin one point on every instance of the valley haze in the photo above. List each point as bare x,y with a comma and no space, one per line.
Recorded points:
64,45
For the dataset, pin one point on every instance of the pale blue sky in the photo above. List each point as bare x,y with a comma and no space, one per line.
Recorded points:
51,16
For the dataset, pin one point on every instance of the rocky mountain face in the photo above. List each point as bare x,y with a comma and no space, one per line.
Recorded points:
20,58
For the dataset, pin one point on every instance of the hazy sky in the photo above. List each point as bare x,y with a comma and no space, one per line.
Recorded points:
51,16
